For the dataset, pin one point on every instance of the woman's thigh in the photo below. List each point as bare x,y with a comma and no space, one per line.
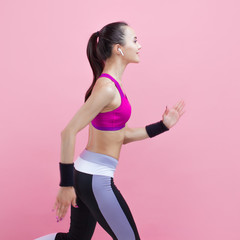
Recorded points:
106,205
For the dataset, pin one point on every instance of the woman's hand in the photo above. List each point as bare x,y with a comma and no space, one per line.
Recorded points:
65,197
171,116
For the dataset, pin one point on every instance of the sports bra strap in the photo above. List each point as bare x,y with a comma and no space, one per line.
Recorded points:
115,81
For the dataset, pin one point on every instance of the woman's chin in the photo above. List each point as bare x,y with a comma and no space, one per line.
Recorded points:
137,60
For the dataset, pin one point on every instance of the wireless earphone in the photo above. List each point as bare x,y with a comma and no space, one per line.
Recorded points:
119,49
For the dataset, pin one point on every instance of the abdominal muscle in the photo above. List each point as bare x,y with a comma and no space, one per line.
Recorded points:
105,142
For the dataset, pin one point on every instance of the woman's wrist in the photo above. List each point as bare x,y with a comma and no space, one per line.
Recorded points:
66,174
168,127
156,129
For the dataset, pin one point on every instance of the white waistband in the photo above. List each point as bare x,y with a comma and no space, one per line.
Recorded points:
93,168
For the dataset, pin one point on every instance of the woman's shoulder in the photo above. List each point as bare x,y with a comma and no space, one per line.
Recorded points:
104,84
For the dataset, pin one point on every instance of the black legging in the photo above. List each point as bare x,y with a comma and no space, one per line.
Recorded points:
100,201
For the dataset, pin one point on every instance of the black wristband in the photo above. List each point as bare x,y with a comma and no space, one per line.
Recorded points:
156,128
66,174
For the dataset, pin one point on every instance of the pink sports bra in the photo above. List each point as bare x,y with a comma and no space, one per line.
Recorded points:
117,118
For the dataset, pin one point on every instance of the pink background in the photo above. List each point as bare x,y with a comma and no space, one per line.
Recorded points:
181,185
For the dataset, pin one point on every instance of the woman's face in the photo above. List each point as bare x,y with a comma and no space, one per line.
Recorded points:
132,46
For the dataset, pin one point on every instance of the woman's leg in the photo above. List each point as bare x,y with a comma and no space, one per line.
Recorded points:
107,205
99,200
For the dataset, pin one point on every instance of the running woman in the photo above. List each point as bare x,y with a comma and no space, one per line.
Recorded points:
87,184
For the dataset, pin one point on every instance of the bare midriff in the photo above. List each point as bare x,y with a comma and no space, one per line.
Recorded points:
105,142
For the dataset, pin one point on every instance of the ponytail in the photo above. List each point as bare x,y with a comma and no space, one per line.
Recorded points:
100,46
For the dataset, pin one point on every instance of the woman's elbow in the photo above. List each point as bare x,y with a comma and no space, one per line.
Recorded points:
67,131
127,136
125,141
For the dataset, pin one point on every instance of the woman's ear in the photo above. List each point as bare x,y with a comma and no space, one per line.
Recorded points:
116,49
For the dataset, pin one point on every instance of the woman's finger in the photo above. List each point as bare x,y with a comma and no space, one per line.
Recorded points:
59,211
178,103
166,110
65,211
181,106
74,203
182,113
54,206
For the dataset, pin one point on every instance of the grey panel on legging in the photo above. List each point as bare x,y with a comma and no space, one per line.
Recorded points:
99,158
50,236
111,209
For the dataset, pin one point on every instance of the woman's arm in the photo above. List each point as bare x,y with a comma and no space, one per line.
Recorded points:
102,94
140,133
169,118
134,134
